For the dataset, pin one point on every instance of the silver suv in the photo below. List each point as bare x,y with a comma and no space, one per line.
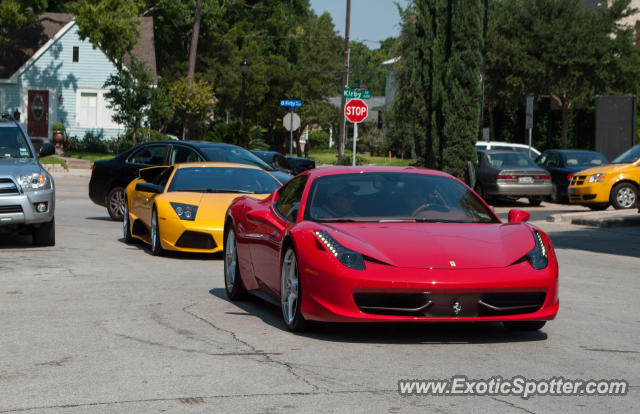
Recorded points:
27,191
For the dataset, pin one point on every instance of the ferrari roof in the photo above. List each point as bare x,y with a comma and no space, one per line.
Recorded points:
320,172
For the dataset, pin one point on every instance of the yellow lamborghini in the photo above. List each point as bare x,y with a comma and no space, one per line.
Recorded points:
182,207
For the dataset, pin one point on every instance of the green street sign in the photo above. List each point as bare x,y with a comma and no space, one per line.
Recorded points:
356,93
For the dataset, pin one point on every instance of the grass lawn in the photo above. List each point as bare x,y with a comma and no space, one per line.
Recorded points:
89,156
53,160
329,156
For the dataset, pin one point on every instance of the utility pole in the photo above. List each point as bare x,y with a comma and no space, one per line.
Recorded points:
345,81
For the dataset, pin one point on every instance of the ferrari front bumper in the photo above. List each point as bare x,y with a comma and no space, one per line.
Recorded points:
387,293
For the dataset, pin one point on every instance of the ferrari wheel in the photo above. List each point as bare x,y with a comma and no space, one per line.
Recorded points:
126,223
156,246
524,326
232,280
115,203
291,293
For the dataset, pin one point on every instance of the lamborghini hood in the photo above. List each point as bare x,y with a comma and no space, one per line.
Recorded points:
437,245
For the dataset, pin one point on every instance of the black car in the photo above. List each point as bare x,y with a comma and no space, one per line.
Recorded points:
110,177
274,159
563,164
299,164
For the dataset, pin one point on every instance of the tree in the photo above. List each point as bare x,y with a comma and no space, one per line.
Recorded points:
130,92
16,14
111,25
192,102
559,49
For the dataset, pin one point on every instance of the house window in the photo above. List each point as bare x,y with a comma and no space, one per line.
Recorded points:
76,54
88,109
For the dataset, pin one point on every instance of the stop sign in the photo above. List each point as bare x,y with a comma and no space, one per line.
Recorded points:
356,110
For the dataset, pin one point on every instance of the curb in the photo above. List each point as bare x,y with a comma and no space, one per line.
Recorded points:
621,219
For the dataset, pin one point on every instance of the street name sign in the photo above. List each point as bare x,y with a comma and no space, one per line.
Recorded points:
356,93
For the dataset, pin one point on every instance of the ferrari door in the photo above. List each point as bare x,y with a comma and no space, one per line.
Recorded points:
267,235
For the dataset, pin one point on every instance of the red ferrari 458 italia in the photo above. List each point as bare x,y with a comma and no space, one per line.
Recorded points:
351,244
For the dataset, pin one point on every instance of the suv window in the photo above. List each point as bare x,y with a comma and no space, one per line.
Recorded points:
13,144
288,204
149,155
183,154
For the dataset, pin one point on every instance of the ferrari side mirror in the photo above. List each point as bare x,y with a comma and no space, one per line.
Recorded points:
518,216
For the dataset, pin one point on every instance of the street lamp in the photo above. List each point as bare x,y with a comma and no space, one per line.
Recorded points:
244,68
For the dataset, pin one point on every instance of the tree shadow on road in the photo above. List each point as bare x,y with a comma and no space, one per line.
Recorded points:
388,333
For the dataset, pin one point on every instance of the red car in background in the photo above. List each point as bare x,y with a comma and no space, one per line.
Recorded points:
352,244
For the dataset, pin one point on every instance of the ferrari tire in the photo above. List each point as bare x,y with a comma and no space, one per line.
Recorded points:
44,234
115,203
156,245
126,223
624,196
232,280
524,325
291,293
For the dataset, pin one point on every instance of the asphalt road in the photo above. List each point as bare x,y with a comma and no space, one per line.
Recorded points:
97,326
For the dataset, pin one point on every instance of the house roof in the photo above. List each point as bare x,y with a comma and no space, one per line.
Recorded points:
29,40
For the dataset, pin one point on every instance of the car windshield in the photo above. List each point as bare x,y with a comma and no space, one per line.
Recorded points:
628,156
394,197
223,180
235,155
510,160
13,143
584,159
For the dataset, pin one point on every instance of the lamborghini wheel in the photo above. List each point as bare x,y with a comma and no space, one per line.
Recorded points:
156,246
126,223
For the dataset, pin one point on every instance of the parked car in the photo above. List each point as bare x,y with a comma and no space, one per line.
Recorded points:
27,190
511,174
563,165
274,159
110,177
388,244
182,207
299,164
615,183
499,145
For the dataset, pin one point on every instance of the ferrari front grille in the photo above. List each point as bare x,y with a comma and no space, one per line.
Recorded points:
10,209
392,303
510,303
196,240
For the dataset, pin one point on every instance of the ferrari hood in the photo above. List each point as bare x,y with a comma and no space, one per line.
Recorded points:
437,245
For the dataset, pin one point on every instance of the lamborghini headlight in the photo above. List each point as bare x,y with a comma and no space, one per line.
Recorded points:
185,211
34,182
347,257
539,255
596,178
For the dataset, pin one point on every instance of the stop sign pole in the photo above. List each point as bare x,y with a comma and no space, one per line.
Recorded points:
356,111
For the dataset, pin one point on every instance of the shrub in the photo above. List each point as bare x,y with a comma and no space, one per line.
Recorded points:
348,160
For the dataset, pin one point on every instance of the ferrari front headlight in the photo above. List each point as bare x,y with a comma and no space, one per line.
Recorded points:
185,211
538,257
596,178
34,182
347,257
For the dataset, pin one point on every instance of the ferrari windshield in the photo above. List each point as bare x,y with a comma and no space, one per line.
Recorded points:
236,155
13,143
394,197
628,156
223,180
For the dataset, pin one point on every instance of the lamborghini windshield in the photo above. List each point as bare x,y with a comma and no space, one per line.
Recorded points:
13,143
394,197
223,180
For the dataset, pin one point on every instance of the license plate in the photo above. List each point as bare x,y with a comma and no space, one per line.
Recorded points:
525,180
571,190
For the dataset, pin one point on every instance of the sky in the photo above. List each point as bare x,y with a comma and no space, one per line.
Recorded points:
371,20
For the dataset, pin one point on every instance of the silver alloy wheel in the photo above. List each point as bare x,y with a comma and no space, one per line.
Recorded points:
231,259
154,225
116,203
289,286
626,197
125,220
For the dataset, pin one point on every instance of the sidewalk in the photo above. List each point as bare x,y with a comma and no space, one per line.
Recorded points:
75,167
607,218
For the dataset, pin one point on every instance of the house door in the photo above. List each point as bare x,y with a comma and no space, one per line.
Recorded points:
38,115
